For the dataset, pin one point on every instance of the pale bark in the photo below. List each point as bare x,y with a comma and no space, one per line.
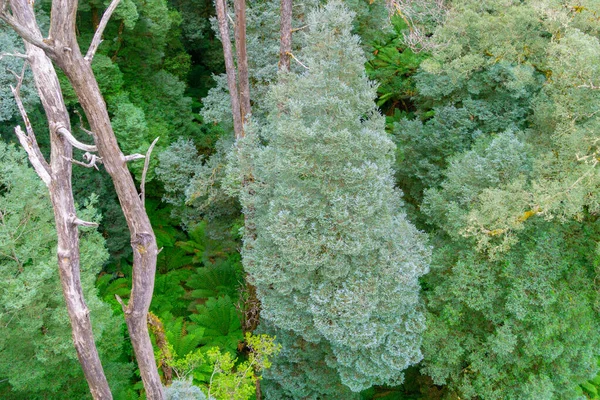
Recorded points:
97,39
61,195
242,58
285,48
79,72
238,125
63,49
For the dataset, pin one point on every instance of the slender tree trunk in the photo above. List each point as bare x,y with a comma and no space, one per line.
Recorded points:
242,58
238,125
285,48
79,72
62,47
61,195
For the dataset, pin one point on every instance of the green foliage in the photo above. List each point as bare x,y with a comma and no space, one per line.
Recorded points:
302,370
225,377
481,80
11,43
37,336
591,388
393,65
331,254
233,381
522,327
221,323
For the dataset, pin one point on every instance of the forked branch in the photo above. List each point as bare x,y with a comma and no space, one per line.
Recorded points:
25,33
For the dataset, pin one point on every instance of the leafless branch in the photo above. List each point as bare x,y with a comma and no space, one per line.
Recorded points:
145,171
76,221
295,59
299,28
74,142
590,86
38,164
419,15
120,301
91,159
17,55
25,33
100,30
81,124
29,142
133,157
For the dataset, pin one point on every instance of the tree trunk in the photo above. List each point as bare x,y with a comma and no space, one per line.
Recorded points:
242,58
238,125
285,48
61,195
62,47
79,72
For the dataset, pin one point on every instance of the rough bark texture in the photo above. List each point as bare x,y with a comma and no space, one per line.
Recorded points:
61,46
238,125
285,48
61,195
242,58
79,72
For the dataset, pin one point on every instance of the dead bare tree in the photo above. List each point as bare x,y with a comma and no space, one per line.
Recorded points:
57,177
61,47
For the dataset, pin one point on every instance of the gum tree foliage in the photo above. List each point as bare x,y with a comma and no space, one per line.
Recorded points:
512,299
518,327
483,75
561,129
35,340
334,258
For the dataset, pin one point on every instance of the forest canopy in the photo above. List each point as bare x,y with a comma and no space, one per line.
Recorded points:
300,199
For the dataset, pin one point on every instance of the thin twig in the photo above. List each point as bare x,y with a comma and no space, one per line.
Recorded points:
133,157
295,59
38,165
298,29
123,307
100,30
81,124
76,221
145,171
91,159
17,55
29,141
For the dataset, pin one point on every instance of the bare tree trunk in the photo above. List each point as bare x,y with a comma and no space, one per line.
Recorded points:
62,47
242,58
285,48
238,125
61,195
79,72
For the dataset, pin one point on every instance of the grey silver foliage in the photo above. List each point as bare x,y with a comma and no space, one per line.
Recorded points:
184,390
332,254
